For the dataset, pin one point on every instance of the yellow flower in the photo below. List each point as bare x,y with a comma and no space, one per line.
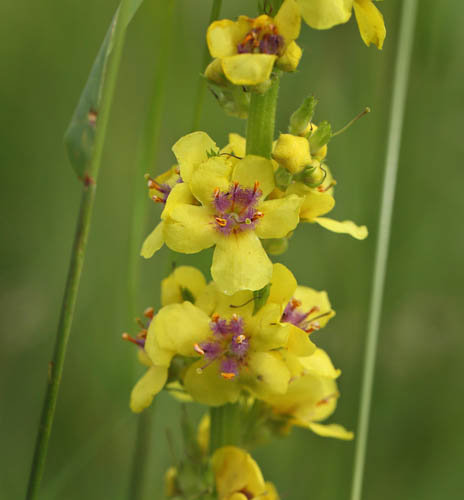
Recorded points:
238,476
312,396
235,349
293,153
324,14
222,203
248,48
185,283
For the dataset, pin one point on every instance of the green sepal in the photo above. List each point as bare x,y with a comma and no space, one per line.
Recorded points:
233,100
309,178
283,178
302,117
260,297
320,137
79,137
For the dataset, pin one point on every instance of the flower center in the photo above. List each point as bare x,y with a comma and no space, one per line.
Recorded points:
302,319
228,344
236,208
261,40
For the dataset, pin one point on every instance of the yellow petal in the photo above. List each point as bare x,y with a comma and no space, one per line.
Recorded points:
234,471
290,58
237,144
323,14
370,22
288,21
189,229
268,374
270,492
147,387
298,342
316,204
153,242
206,385
177,391
283,285
215,173
191,150
345,227
320,364
240,263
331,430
255,169
248,69
223,36
280,216
177,328
180,194
183,277
265,330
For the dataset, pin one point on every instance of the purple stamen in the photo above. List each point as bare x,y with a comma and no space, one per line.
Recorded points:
271,44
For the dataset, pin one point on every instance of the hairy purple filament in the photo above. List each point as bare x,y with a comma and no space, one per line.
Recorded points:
292,314
236,209
229,345
164,189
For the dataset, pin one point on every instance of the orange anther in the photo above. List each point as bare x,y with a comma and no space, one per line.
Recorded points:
221,222
215,317
157,199
149,312
126,336
296,303
198,349
227,376
240,338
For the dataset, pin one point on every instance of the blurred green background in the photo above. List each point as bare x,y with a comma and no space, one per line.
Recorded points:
416,446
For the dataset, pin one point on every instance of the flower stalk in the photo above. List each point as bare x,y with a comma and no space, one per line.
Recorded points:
55,368
403,60
261,121
225,426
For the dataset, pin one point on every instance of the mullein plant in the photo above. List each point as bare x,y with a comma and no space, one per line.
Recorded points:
241,344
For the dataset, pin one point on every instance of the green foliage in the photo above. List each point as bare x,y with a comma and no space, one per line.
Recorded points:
80,134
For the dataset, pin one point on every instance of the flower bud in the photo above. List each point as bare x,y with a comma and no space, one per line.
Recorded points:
233,100
292,152
312,176
301,118
215,74
320,137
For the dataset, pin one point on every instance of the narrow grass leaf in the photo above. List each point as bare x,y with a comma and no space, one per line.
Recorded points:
80,134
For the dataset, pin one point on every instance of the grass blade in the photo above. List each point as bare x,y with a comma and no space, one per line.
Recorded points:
400,86
80,134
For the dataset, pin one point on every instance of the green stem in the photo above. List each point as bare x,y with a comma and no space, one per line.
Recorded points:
398,105
215,10
225,426
55,368
261,121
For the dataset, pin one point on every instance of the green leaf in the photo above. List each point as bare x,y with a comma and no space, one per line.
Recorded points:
320,137
80,134
260,297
